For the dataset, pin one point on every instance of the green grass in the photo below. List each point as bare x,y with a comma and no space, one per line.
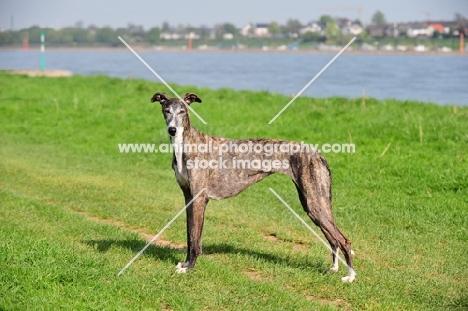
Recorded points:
406,211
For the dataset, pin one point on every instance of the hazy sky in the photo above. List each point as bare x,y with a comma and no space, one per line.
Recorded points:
119,13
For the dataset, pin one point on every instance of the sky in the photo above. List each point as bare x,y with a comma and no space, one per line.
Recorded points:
152,13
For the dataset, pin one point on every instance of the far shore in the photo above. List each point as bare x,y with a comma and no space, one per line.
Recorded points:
244,50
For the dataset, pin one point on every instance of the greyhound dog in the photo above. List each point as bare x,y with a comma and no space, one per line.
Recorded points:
226,178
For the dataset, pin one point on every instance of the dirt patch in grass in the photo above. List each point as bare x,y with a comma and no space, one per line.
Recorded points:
296,246
256,275
337,303
271,237
299,247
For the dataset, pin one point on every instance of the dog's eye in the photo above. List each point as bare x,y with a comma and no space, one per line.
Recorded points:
182,111
166,111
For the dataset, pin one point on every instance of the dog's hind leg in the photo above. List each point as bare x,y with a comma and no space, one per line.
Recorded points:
308,208
331,231
315,197
335,266
195,219
337,240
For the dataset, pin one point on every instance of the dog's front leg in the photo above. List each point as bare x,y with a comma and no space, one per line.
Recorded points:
195,218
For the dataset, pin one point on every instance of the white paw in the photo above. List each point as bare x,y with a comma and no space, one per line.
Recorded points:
180,269
352,253
348,279
333,269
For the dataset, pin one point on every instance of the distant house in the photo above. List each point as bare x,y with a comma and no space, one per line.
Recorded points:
246,31
349,27
394,30
170,35
228,36
261,30
437,27
257,30
314,27
417,29
427,29
352,29
342,22
176,35
442,28
376,30
194,33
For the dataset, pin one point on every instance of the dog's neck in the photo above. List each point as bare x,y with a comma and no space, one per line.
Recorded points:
185,135
178,146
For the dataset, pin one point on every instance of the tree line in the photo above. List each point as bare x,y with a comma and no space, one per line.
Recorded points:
81,36
92,35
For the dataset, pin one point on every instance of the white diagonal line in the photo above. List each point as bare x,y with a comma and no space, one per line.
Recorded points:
311,81
308,227
159,233
161,79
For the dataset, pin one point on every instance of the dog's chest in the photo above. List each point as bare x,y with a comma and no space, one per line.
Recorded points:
178,165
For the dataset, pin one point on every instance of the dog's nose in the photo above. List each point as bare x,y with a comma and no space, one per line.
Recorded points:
171,130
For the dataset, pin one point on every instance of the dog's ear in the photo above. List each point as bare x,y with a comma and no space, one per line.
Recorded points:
159,97
190,98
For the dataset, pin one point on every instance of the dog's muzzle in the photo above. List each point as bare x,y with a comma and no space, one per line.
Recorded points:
172,130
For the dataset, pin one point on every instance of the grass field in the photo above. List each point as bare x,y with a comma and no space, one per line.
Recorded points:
74,210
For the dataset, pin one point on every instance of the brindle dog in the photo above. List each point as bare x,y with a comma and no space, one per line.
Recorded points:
308,170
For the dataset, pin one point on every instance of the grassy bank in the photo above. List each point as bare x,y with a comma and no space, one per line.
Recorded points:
74,210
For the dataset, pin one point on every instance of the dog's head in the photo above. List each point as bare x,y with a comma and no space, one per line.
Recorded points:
175,111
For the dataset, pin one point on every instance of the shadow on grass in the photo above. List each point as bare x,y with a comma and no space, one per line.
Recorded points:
159,252
461,303
174,255
293,260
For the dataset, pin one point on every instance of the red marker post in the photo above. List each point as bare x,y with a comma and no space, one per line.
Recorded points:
462,45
